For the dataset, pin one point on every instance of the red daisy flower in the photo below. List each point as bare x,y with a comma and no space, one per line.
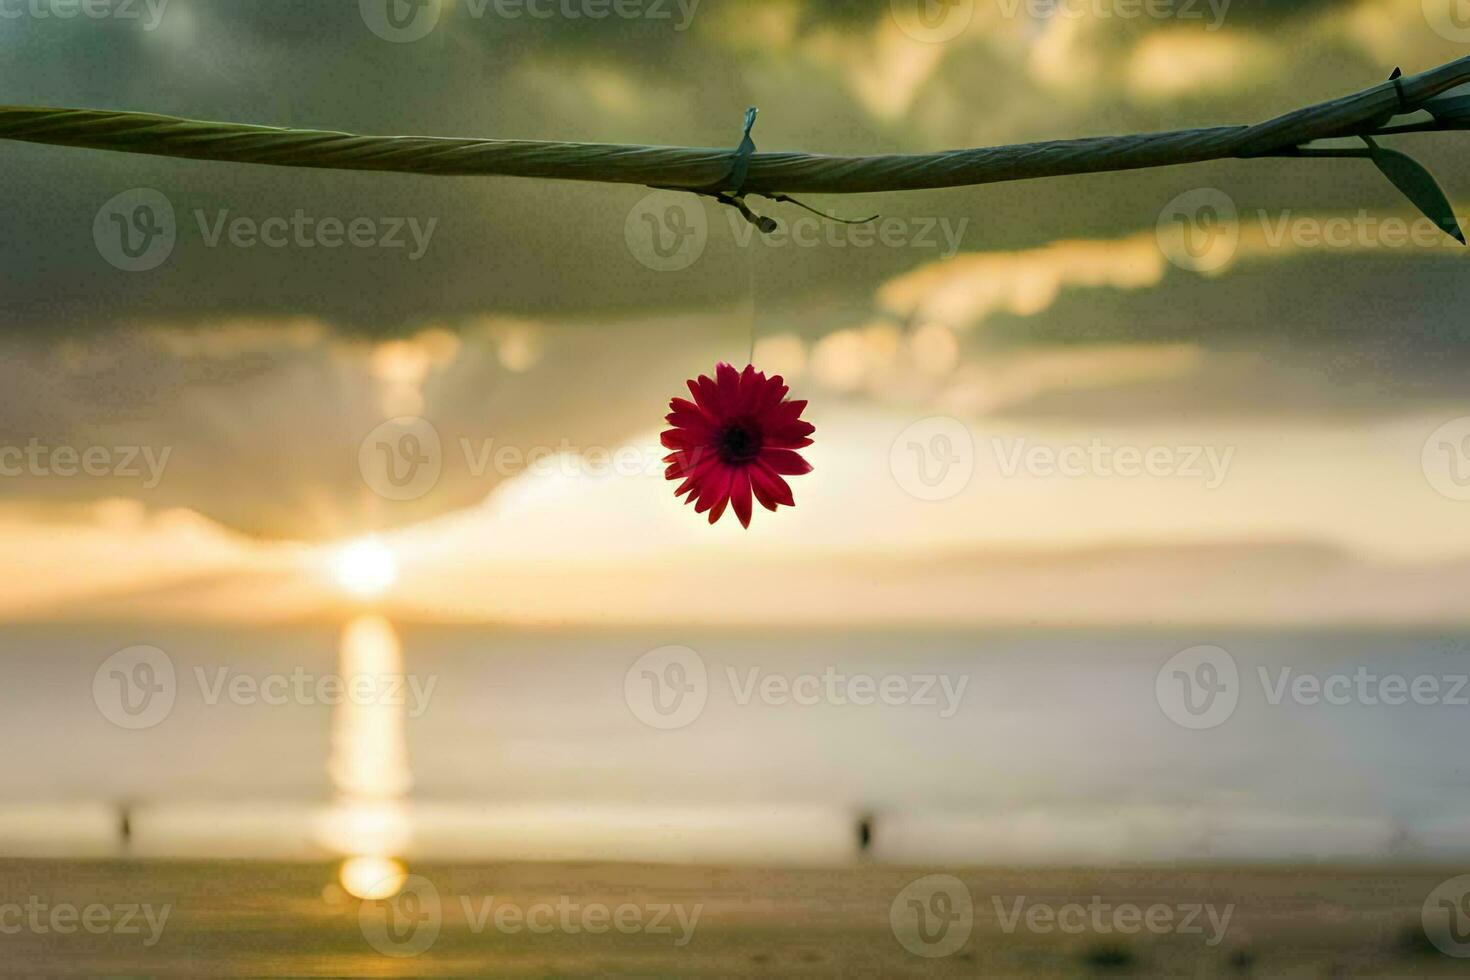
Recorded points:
737,438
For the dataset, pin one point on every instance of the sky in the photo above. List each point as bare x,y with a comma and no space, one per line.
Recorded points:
1035,401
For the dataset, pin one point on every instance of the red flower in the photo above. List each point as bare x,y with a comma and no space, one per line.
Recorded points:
737,438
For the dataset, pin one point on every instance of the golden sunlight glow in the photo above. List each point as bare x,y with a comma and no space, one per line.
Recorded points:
369,763
1169,64
372,877
366,568
369,750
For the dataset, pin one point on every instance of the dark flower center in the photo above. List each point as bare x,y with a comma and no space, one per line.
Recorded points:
739,441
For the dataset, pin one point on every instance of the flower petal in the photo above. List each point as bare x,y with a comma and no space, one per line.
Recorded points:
740,495
790,411
768,485
788,435
676,439
728,380
761,495
693,420
714,487
706,395
752,388
724,480
785,462
775,390
683,406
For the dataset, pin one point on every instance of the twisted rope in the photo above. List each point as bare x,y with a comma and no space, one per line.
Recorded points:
703,169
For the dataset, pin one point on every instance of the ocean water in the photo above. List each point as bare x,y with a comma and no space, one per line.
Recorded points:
983,745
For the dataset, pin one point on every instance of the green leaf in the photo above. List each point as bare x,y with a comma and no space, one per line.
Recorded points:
1418,185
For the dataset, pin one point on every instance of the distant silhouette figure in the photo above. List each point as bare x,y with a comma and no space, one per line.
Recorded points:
125,825
865,825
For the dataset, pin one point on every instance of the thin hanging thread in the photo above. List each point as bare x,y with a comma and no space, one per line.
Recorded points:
750,298
732,192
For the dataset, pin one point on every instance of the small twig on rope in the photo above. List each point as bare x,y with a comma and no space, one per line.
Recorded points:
775,175
731,191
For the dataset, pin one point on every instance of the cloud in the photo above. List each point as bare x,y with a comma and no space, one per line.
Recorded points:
965,291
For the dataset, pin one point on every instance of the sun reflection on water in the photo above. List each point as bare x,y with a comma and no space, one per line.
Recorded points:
369,763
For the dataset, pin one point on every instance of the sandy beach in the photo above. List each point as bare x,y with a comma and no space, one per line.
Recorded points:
268,919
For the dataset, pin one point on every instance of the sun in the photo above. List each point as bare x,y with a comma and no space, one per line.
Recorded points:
366,568
372,877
